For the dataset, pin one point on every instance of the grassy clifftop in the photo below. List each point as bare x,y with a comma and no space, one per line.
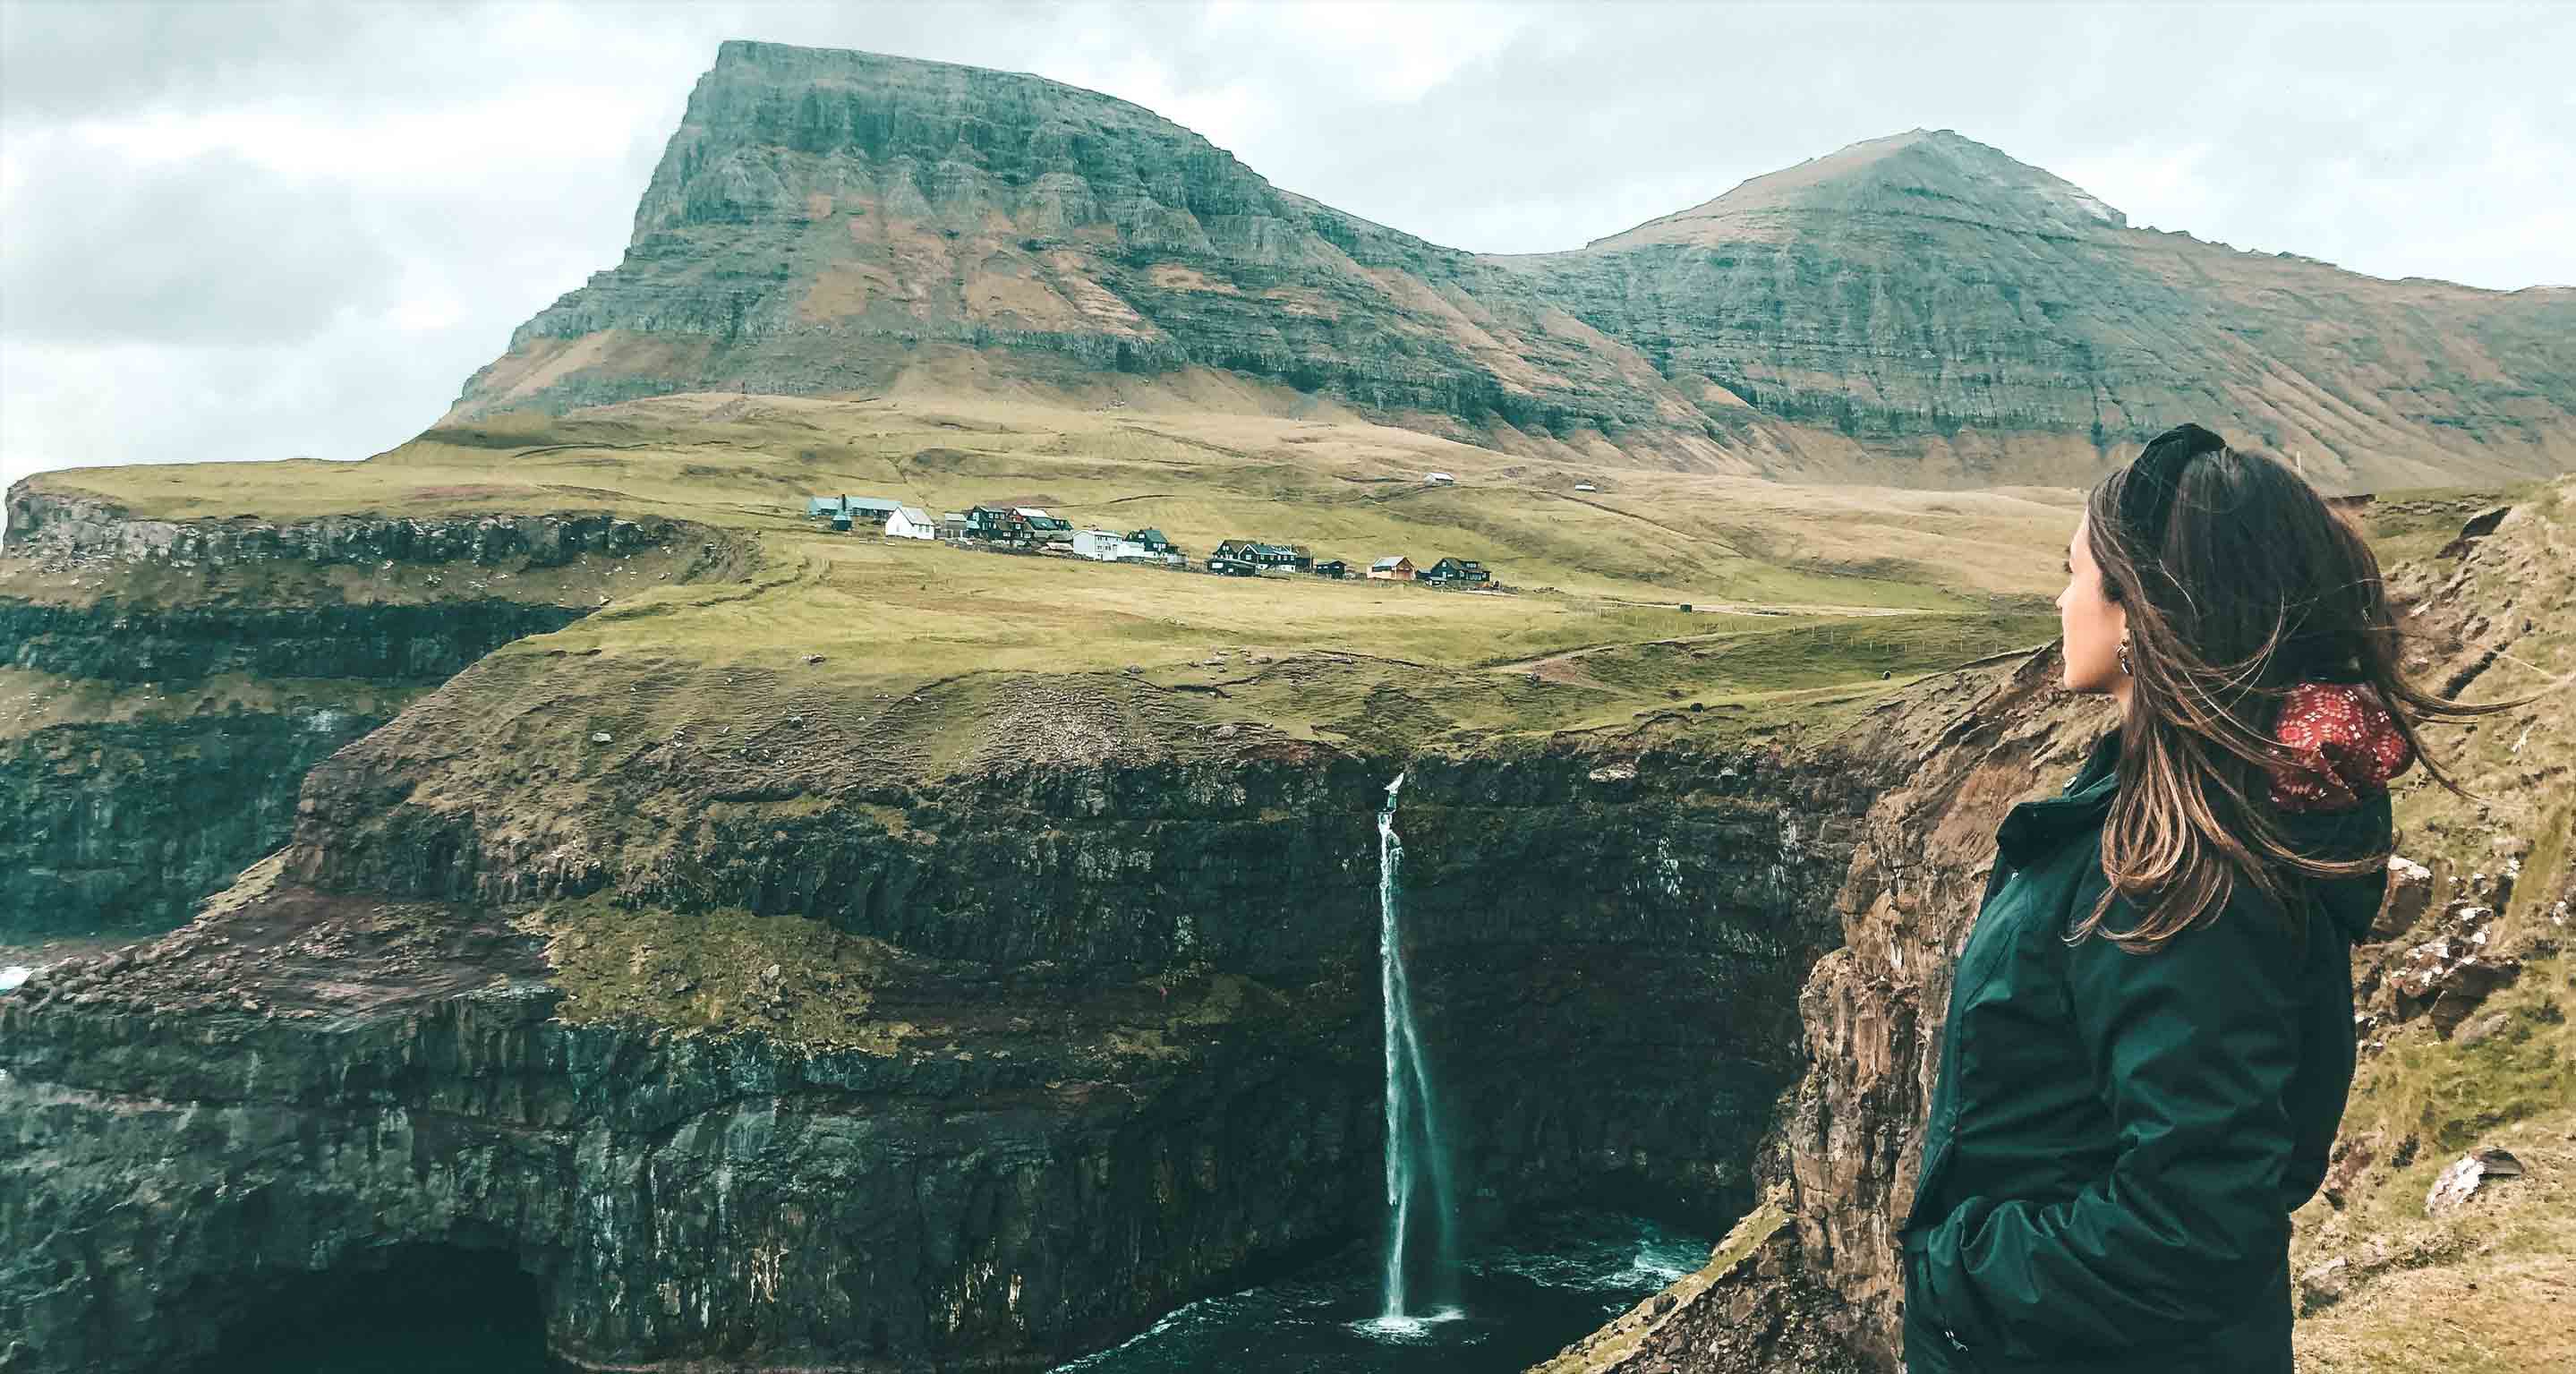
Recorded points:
1794,590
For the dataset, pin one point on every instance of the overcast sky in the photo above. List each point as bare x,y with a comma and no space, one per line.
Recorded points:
239,231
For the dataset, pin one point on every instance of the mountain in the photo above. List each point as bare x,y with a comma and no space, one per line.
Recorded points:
1920,309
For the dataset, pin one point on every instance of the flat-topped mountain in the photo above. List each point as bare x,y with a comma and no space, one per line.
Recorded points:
1921,308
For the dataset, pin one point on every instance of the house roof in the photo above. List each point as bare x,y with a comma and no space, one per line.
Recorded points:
915,514
1148,535
1389,561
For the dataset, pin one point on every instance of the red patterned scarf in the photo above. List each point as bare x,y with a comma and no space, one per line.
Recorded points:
2342,747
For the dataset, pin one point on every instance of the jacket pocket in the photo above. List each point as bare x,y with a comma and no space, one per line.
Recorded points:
1930,1347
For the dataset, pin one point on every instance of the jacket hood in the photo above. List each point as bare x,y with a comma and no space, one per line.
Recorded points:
2349,903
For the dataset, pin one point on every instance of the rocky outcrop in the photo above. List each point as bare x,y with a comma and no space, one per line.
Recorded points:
1921,308
222,658
426,644
56,530
122,826
333,1084
1873,1009
1751,1304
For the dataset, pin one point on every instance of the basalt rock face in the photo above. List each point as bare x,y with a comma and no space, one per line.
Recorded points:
1126,1048
221,662
104,641
72,530
203,1125
123,826
1920,309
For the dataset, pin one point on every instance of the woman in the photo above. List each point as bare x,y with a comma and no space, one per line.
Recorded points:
2150,1032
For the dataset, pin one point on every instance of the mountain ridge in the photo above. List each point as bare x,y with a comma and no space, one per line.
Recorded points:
1920,309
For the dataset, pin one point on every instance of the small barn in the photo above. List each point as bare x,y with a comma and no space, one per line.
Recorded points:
1232,567
1392,568
1332,567
1438,479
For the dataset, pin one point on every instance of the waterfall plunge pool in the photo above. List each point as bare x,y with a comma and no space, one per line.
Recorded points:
1520,1298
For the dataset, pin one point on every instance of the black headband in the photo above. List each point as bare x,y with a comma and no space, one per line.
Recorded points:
2146,498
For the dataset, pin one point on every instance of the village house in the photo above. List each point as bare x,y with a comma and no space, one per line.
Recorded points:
998,525
1392,568
953,525
1154,541
1262,555
1045,528
910,522
845,511
1229,566
1109,546
1458,572
1332,567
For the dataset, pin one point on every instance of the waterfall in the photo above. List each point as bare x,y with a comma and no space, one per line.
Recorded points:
1414,1162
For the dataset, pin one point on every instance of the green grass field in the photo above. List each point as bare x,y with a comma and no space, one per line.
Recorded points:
1797,592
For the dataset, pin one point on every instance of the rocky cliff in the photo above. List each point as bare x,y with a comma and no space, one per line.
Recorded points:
1920,309
168,683
978,1075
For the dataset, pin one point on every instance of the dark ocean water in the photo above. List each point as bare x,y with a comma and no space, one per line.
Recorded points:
1516,1303
1519,1301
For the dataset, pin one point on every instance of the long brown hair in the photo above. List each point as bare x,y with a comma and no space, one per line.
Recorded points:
2240,583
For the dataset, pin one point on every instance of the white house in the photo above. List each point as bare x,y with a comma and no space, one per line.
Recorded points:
1108,546
911,522
1438,479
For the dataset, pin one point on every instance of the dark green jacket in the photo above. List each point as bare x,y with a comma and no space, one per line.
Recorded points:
2116,1140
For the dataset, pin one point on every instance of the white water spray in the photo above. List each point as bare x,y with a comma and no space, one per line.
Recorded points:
1414,1161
